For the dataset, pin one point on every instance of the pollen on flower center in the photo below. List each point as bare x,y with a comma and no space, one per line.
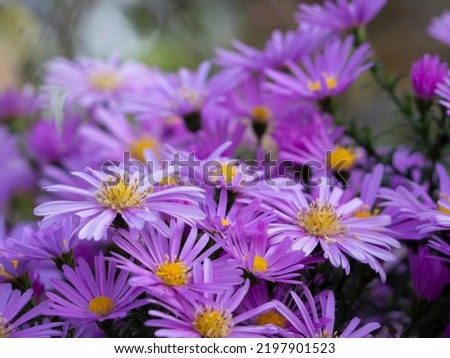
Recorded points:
341,158
101,306
173,273
119,195
314,86
331,82
139,146
321,220
261,114
5,327
105,80
271,317
259,264
6,274
225,222
227,170
365,212
213,323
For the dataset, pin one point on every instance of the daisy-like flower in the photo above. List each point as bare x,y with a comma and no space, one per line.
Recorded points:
187,95
55,242
429,275
220,219
326,220
50,142
438,216
210,316
20,103
112,135
328,74
93,296
443,90
440,28
136,201
426,74
339,15
405,205
314,317
280,48
89,82
14,325
249,102
166,263
316,146
270,262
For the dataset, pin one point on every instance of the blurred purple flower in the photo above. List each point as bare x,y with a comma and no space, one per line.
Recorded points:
328,74
339,15
440,28
429,275
20,103
281,48
426,74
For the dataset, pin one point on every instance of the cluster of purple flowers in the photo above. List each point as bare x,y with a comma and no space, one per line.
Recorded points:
144,222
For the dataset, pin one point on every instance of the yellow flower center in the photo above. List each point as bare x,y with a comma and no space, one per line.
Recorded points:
331,81
443,210
341,158
225,222
227,170
259,264
321,220
271,317
119,196
138,148
105,80
173,273
170,180
213,323
261,114
5,327
3,272
365,212
101,306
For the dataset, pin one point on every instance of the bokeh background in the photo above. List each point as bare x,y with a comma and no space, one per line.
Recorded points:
174,33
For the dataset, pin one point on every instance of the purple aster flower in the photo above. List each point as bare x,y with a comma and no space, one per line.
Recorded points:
339,15
210,316
426,74
249,102
112,135
429,275
316,145
16,173
164,264
55,242
315,318
135,199
14,325
220,219
48,143
93,296
16,104
187,94
404,204
438,216
443,90
279,49
325,220
328,74
442,247
270,262
440,28
89,82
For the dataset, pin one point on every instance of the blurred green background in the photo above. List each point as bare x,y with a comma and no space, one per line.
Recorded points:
173,33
